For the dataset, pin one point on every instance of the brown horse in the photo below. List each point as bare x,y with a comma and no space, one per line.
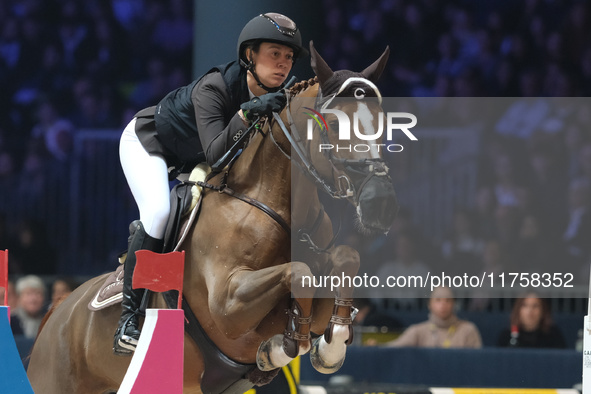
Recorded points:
242,267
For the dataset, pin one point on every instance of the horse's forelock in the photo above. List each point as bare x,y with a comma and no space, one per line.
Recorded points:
334,83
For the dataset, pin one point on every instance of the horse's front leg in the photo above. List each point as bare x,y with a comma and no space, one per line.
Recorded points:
328,351
248,298
280,349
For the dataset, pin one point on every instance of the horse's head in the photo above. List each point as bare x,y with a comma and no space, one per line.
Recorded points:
345,148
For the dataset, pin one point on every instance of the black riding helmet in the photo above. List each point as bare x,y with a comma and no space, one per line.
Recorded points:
269,27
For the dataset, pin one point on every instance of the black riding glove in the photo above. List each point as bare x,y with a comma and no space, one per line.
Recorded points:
264,105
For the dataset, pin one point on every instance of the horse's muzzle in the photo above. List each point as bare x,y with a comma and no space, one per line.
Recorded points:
378,206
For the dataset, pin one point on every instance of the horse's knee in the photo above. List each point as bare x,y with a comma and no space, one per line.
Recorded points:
298,270
299,279
345,259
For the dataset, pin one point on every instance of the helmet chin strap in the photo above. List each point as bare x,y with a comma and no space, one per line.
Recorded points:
250,67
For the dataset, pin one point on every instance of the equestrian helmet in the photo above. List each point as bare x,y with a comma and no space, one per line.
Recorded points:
271,27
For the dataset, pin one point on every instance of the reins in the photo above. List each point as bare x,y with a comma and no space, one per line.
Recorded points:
223,188
304,163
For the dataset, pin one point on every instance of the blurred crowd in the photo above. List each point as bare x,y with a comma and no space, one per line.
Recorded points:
30,298
531,209
67,65
465,48
529,324
70,64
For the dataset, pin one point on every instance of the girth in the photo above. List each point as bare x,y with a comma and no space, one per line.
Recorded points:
221,375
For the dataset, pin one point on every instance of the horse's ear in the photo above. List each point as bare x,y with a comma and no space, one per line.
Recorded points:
321,69
374,71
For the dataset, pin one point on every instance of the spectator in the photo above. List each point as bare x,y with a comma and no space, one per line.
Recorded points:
10,45
12,302
173,33
367,315
577,233
155,86
584,159
53,132
29,313
406,263
62,288
447,63
493,262
532,251
463,246
508,221
484,215
443,329
574,138
531,325
506,184
7,171
32,251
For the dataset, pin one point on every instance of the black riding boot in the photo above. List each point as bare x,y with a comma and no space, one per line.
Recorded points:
128,333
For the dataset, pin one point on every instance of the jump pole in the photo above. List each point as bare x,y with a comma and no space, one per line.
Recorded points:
587,346
157,363
13,378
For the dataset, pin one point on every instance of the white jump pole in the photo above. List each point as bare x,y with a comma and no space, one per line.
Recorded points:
587,346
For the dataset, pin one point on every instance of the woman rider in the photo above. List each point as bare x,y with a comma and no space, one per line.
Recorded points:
197,123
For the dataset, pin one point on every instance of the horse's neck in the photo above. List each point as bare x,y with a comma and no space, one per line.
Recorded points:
265,173
262,172
305,202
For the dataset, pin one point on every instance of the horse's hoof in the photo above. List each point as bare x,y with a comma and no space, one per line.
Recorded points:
264,362
320,364
271,354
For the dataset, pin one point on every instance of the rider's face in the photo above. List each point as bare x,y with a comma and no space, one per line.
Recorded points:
273,63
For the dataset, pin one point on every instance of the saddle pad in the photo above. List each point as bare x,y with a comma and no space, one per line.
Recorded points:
111,292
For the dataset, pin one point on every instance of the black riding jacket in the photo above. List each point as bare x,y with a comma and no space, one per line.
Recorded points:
197,122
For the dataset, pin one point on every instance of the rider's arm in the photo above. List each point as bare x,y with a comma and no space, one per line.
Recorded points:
211,101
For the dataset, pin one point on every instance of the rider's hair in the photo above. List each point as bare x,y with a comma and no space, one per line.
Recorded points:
254,46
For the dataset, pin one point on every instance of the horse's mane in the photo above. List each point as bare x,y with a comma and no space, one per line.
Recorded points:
303,85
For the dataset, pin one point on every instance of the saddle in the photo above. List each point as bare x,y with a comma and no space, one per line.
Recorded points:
184,198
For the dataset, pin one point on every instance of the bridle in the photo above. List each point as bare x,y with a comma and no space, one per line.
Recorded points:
344,188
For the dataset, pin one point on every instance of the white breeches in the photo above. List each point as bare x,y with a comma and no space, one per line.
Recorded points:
147,176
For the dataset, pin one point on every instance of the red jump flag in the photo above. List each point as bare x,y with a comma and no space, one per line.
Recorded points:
159,272
4,273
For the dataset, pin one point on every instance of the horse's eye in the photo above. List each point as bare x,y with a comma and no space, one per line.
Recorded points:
334,125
